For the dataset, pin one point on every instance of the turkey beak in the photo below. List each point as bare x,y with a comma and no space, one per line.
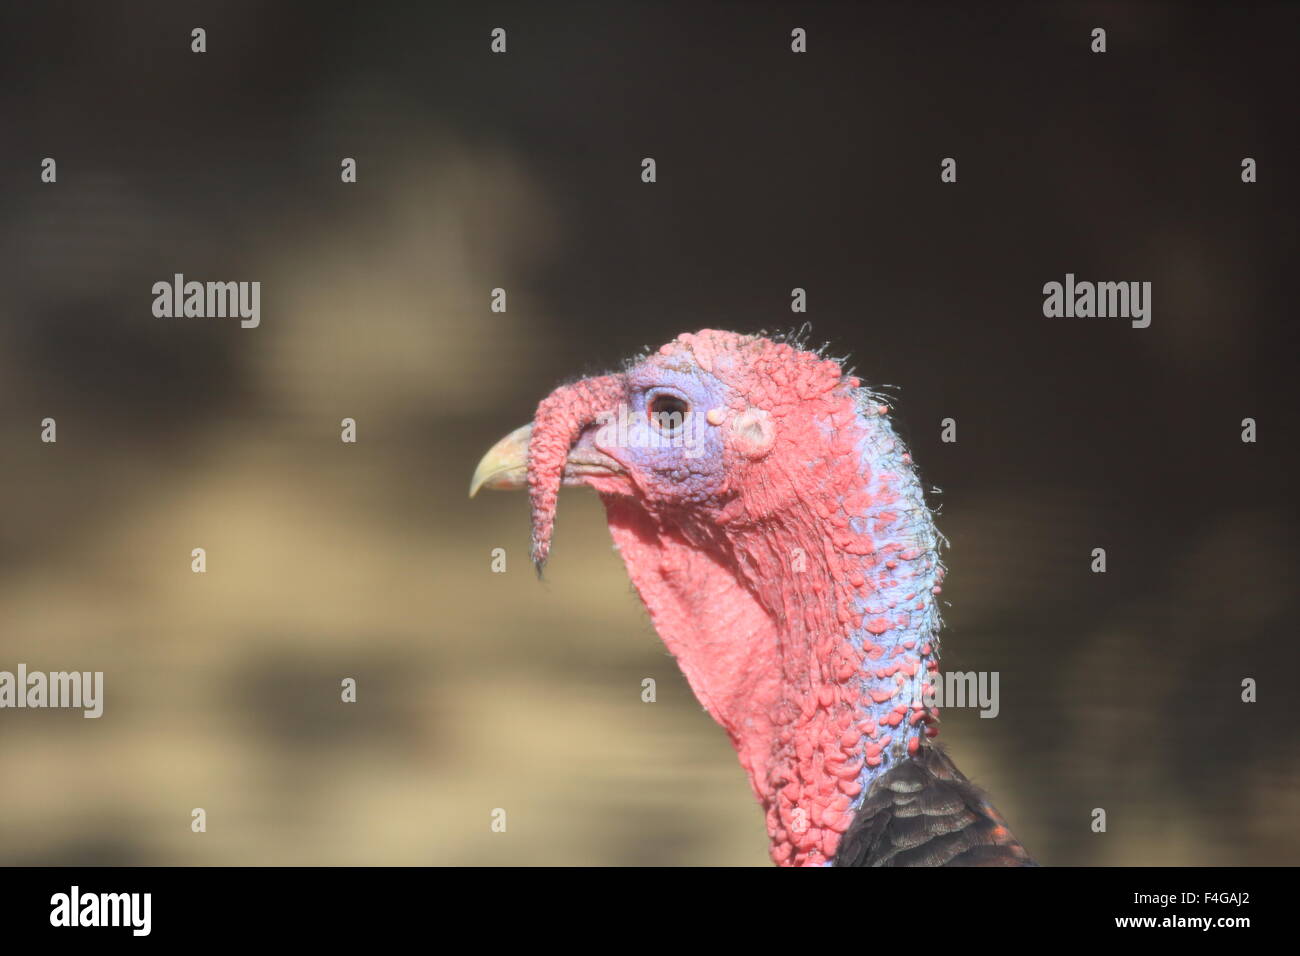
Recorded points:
505,466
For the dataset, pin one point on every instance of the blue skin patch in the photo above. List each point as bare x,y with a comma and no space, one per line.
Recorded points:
687,461
883,466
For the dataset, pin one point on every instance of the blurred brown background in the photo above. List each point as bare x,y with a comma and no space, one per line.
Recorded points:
481,690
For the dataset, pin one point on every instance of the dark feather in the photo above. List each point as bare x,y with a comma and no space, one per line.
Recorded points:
924,812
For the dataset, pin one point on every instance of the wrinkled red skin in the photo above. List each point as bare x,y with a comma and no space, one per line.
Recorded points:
765,645
559,421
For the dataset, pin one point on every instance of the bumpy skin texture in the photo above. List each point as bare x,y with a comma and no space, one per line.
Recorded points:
559,421
790,564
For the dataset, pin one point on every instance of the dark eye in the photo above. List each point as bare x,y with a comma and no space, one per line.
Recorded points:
667,412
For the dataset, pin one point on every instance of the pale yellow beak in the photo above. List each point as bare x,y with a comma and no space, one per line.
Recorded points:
505,466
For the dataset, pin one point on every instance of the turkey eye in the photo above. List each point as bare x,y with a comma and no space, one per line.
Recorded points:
667,412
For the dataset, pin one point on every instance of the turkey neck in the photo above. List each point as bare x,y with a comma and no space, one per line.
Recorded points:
808,631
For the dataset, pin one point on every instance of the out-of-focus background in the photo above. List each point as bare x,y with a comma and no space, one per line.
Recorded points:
479,690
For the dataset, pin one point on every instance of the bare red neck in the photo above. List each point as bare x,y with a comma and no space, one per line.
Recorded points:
808,630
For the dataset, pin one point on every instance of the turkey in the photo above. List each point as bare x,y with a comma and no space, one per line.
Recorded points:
777,532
